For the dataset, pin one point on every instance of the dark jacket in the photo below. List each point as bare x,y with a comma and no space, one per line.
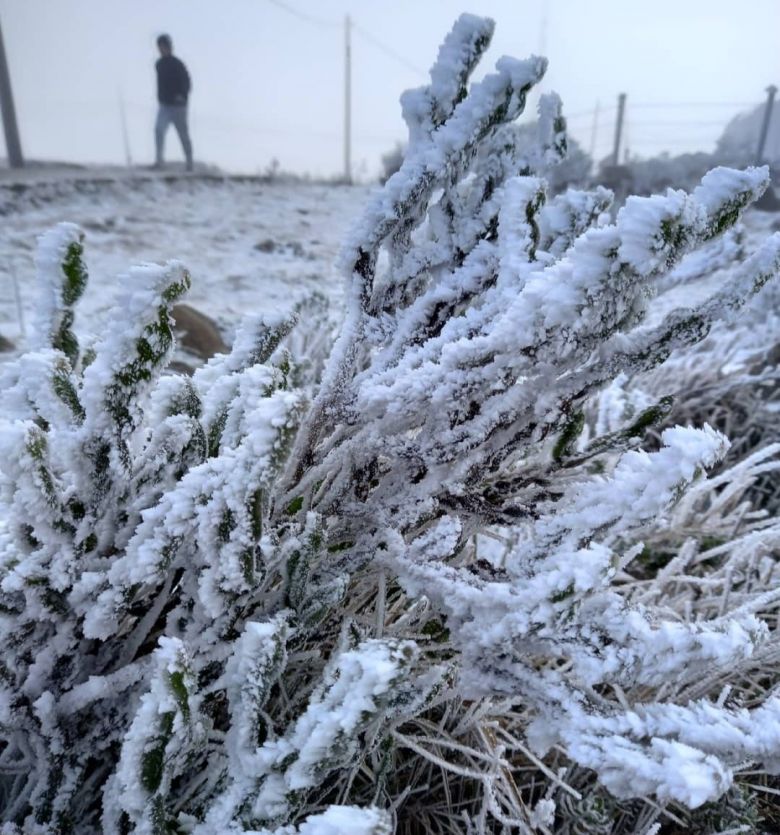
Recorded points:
173,81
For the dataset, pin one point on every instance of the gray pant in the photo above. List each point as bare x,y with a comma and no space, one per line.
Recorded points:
175,114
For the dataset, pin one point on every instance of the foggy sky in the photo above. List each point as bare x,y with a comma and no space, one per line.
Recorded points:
268,83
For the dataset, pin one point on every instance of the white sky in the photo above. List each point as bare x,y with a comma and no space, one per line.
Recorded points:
268,83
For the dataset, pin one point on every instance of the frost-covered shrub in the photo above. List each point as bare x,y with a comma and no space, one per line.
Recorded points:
572,171
421,598
731,379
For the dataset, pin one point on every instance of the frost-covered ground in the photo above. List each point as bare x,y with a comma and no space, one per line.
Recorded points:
249,245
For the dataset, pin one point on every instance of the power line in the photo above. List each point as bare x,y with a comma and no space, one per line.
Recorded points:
583,114
321,21
586,114
317,21
691,123
388,50
658,142
649,104
213,122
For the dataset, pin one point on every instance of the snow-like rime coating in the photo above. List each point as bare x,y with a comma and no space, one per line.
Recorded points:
259,599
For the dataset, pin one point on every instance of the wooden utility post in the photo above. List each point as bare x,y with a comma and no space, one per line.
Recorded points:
347,100
770,104
543,31
594,132
619,128
125,135
12,143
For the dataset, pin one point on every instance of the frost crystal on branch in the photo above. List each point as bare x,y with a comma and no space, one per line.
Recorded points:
263,598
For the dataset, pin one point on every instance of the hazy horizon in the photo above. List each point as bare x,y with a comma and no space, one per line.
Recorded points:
268,74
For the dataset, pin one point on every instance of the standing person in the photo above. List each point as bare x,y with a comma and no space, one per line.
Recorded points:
173,90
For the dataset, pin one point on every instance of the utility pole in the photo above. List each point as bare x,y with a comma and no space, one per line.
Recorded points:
594,132
347,101
770,103
12,143
619,128
125,136
543,30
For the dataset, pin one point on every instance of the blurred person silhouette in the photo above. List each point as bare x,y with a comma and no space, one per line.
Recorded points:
173,90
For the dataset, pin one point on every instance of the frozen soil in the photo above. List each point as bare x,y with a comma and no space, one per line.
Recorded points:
250,245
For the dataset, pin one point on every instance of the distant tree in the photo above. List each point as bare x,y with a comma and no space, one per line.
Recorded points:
392,161
739,141
655,174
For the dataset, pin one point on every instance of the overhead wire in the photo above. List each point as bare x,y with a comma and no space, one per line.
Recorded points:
361,30
680,123
651,104
309,18
640,137
654,133
388,50
378,43
214,122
